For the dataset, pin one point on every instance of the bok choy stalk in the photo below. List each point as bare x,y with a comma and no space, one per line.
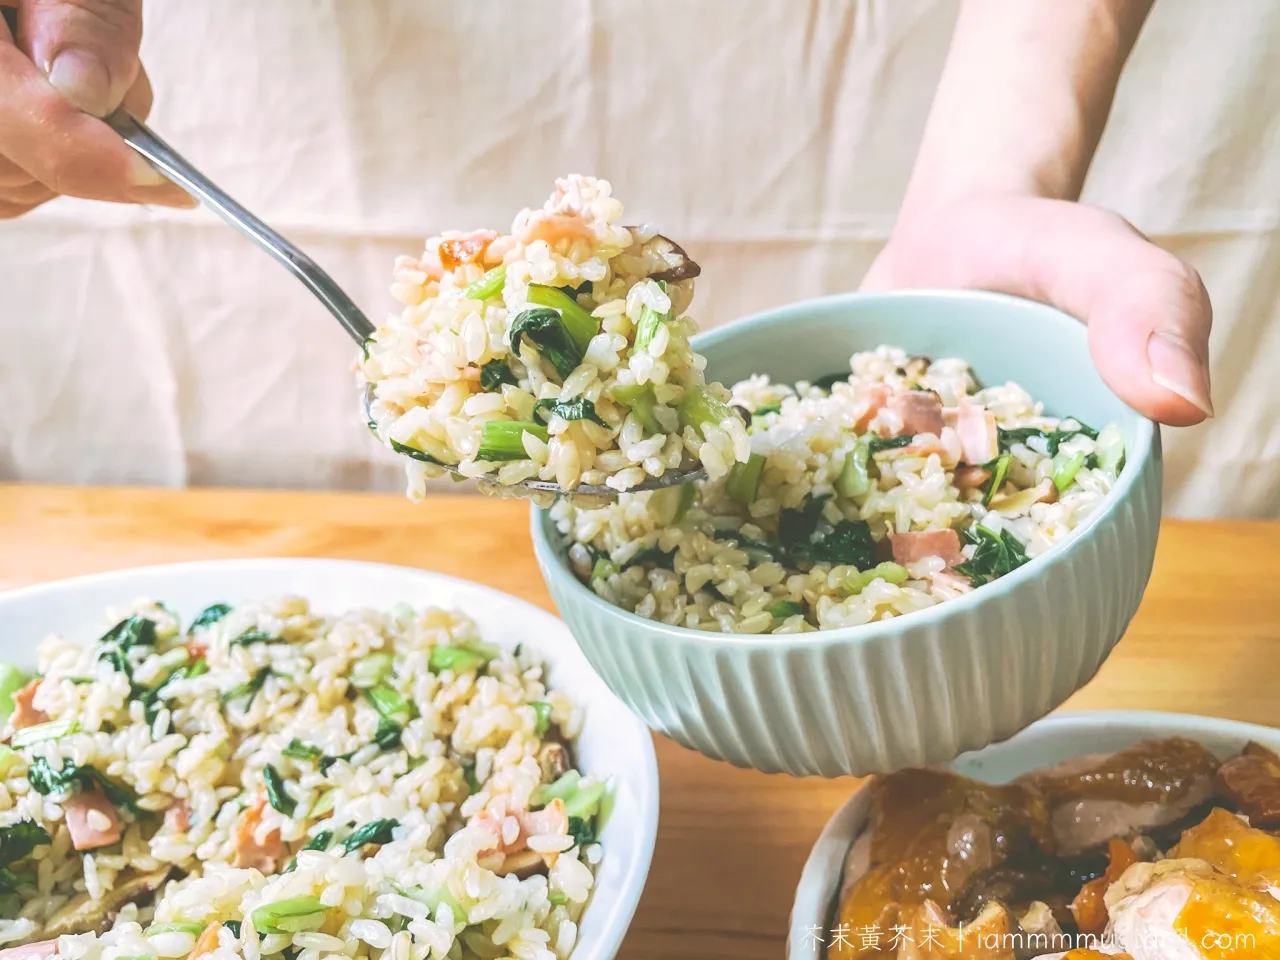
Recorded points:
639,399
504,439
582,326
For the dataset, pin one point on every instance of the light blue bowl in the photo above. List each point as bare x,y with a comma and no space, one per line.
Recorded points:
922,688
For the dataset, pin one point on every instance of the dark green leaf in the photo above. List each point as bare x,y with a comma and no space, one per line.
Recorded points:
320,841
579,408
848,543
254,636
297,750
875,443
767,550
276,794
134,632
548,337
766,409
233,926
830,380
19,839
469,775
375,831
1052,438
210,614
414,453
785,608
583,830
995,556
45,780
494,374
795,527
655,556
387,736
249,689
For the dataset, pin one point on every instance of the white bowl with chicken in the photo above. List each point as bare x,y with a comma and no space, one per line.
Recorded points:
1127,834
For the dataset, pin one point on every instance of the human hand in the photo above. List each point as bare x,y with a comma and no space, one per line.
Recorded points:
1148,312
71,63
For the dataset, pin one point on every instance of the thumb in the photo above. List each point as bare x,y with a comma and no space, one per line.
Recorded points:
1148,313
89,48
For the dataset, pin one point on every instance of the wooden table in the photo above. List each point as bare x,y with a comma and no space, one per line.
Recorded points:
732,842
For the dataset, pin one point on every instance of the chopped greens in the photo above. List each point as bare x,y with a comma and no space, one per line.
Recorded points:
233,926
460,657
276,795
16,842
320,841
1067,428
783,609
766,550
210,614
248,689
583,831
414,453
179,926
765,410
640,400
39,732
392,705
137,631
701,408
297,750
849,542
542,717
487,286
494,374
580,324
670,504
1065,469
546,334
11,681
876,443
502,440
795,527
579,408
854,479
469,777
744,479
564,787
585,801
999,468
45,780
253,636
888,571
650,323
372,669
292,915
659,558
375,831
830,380
997,554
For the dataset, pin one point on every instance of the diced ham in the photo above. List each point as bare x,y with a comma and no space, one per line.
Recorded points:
196,651
920,410
24,713
249,853
468,248
516,857
92,820
177,819
554,227
910,547
29,951
971,477
870,403
979,442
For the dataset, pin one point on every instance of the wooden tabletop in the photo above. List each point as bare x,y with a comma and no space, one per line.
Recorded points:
731,842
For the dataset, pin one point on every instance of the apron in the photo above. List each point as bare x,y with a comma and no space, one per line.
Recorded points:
772,139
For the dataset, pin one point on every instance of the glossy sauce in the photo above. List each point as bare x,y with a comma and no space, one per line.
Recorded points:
1155,771
1237,849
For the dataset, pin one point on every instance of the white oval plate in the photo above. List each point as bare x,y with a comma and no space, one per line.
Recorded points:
614,743
1042,744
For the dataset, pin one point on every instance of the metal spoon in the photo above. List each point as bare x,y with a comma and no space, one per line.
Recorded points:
178,169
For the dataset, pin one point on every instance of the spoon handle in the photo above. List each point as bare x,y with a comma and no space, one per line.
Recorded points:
176,167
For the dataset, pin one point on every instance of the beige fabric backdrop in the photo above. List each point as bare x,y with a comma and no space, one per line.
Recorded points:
772,137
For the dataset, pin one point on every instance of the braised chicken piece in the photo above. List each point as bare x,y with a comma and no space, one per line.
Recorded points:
930,833
1252,782
1233,847
1149,785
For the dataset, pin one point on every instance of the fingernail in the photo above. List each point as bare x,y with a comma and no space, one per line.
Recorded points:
1179,369
167,196
144,174
80,77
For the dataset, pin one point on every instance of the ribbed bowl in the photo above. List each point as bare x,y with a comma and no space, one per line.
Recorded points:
922,688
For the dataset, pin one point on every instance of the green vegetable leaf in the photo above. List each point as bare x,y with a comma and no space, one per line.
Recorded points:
996,555
414,453
248,689
293,915
579,323
494,374
744,479
556,899
276,794
233,926
579,408
210,614
875,443
542,715
795,527
137,631
297,750
767,409
848,543
655,556
831,379
392,705
583,831
320,841
45,780
487,286
999,468
640,400
783,609
455,657
1067,428
18,840
375,831
765,551
548,337
387,736
701,408
254,636
502,440
469,776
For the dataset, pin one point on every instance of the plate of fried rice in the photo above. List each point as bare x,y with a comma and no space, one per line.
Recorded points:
304,758
557,352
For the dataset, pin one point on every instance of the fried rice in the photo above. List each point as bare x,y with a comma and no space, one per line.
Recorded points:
273,782
558,352
870,494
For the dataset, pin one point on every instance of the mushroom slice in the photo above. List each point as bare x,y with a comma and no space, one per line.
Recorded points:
86,915
679,266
